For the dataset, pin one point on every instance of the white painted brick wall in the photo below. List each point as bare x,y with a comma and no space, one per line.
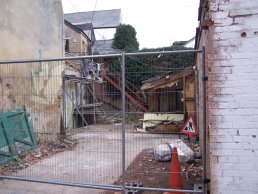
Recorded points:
232,91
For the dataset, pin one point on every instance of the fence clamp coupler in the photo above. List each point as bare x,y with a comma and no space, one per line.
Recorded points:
206,181
205,78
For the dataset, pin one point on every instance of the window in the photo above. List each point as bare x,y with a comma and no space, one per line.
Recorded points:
83,48
67,45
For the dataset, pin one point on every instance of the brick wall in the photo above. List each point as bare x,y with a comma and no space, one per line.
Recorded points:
76,40
232,95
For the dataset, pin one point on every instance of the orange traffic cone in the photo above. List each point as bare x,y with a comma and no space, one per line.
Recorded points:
175,173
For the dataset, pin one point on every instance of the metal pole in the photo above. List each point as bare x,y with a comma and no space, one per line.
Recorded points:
163,190
94,102
64,106
197,116
99,56
204,79
96,186
89,186
123,120
163,52
93,89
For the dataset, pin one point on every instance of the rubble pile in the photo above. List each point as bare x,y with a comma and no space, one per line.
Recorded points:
194,168
44,150
189,156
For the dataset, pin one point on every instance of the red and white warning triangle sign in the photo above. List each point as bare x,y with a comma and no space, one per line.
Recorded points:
189,127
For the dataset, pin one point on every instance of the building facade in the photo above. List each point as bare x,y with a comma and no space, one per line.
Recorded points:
229,32
104,22
76,41
32,30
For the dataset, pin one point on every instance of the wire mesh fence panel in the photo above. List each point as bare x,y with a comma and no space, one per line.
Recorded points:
107,121
75,109
37,87
163,98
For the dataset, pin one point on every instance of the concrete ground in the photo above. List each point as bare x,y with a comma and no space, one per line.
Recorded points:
96,160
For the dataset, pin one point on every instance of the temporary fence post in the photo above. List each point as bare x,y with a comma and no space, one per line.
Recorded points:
123,120
94,101
64,107
204,79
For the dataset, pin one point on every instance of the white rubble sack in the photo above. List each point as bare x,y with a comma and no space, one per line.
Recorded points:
162,152
185,153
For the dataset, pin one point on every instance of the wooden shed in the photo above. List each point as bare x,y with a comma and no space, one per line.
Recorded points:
170,93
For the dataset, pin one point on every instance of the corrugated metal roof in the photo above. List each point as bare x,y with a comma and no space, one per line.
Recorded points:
171,73
167,78
101,19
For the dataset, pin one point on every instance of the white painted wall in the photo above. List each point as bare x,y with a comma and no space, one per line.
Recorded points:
232,90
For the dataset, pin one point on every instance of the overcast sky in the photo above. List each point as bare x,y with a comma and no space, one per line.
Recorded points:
158,23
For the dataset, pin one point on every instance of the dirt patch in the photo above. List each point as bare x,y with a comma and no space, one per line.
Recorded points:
44,150
152,173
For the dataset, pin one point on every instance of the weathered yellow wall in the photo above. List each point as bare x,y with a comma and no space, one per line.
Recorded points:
32,29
